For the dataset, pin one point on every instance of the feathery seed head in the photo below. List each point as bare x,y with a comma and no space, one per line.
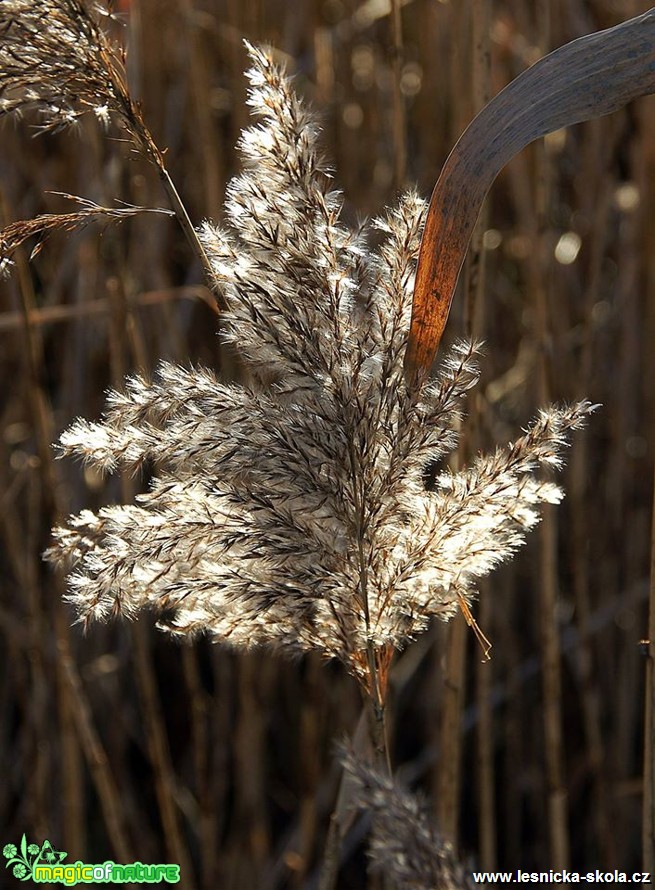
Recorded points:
292,511
405,845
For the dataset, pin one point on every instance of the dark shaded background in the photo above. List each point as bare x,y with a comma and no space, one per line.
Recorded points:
124,745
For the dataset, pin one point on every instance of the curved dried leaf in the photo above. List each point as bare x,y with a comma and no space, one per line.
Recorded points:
584,79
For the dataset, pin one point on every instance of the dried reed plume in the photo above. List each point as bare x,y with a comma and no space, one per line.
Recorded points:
55,58
292,511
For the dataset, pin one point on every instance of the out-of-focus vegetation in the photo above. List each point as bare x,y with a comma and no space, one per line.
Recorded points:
122,745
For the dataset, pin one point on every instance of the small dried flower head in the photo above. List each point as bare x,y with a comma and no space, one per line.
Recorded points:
405,844
56,58
292,511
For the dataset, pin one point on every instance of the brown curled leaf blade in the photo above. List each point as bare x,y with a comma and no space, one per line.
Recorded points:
584,79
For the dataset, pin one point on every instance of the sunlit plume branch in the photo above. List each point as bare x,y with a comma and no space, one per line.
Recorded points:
17,233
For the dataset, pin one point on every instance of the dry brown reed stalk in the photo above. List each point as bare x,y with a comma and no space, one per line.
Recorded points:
164,775
29,641
648,769
399,124
111,801
534,212
598,154
648,813
310,738
49,315
475,283
448,776
200,712
557,805
648,816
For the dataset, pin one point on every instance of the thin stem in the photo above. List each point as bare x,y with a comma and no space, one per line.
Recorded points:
191,234
557,798
377,710
375,692
448,782
373,714
142,134
133,120
648,806
330,867
343,813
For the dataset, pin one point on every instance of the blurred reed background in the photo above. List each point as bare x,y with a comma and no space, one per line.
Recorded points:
123,745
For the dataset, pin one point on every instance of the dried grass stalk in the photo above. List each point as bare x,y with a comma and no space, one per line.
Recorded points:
17,233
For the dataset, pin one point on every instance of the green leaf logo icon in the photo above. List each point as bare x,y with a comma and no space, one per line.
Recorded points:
49,855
